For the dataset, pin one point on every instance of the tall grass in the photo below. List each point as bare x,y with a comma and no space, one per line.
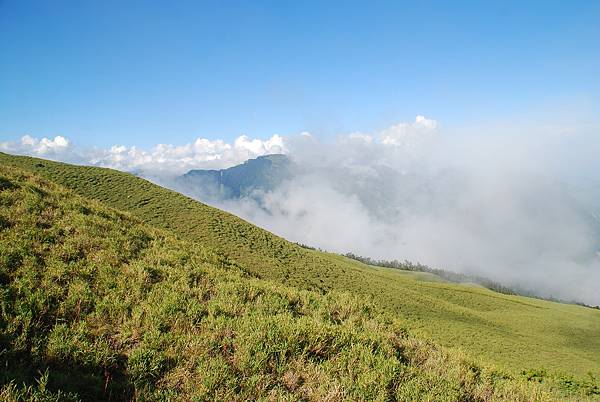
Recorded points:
518,334
97,305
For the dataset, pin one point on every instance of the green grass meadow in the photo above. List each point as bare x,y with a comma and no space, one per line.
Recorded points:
115,288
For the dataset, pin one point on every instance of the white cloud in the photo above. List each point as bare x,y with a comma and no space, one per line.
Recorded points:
41,147
493,202
360,137
161,159
409,134
216,154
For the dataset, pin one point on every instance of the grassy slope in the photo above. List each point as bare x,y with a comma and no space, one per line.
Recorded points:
516,332
111,308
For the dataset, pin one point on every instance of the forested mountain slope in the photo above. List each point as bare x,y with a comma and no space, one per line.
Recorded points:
264,173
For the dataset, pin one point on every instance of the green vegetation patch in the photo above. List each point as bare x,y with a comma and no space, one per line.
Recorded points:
517,334
97,305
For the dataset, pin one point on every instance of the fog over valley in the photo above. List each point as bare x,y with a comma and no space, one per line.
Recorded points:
519,207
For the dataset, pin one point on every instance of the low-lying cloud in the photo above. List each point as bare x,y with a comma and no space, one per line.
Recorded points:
161,160
518,205
521,211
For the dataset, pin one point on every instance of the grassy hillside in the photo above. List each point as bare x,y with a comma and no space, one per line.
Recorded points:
517,333
97,305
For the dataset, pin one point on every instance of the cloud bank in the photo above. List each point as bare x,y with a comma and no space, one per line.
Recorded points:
516,204
521,210
163,159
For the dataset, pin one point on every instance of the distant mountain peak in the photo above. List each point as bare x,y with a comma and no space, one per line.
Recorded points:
272,157
263,173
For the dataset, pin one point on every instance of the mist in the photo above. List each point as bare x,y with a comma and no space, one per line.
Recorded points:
520,209
517,204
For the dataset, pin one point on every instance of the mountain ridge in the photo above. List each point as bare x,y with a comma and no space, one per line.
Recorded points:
263,173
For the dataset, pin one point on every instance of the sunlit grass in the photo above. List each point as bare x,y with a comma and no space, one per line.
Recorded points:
514,333
97,305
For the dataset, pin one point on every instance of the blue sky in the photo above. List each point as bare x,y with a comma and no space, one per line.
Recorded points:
142,73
